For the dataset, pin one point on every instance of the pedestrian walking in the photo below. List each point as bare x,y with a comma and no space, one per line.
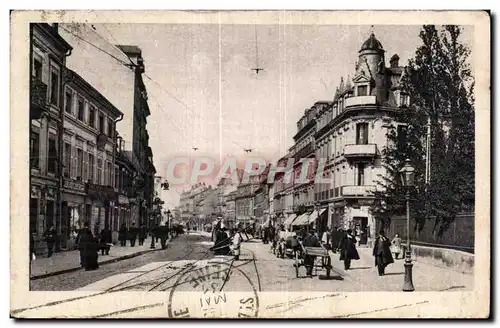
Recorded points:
142,235
88,247
222,242
132,234
237,240
32,248
105,241
348,251
163,232
156,232
382,253
311,240
50,238
325,239
122,235
396,246
334,239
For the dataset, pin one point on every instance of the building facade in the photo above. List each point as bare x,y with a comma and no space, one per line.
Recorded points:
125,209
88,161
48,52
350,136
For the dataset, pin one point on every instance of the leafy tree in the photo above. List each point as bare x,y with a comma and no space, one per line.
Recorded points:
439,83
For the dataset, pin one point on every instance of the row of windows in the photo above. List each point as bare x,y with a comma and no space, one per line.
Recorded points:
336,147
53,78
51,156
85,167
87,113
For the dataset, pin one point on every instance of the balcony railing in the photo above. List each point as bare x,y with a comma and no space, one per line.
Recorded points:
352,151
358,191
360,101
38,98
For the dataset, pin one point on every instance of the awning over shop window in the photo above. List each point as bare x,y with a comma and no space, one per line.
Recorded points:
301,220
314,216
289,219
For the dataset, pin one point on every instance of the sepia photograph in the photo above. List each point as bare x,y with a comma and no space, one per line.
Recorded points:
250,164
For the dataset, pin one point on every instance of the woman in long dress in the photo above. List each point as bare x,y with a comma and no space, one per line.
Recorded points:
396,246
89,248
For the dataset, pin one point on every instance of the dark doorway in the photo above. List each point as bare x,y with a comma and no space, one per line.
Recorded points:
361,229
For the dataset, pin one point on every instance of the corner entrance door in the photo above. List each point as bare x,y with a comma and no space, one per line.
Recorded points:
361,229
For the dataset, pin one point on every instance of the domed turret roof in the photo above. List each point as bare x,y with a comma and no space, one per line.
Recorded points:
372,44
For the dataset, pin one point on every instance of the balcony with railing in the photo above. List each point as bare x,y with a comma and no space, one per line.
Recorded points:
360,101
38,98
360,151
358,191
304,152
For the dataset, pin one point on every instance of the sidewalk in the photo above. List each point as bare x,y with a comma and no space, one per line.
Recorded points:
69,261
425,277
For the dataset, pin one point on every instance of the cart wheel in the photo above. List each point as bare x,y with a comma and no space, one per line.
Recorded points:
297,264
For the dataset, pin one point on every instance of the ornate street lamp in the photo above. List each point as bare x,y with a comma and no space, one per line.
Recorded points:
407,178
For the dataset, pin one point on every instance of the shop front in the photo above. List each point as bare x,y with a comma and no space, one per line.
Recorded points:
42,210
99,206
72,207
121,215
361,221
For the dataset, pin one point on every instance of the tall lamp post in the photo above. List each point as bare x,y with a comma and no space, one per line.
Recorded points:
407,178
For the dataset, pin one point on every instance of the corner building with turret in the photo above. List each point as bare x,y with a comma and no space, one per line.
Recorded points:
350,135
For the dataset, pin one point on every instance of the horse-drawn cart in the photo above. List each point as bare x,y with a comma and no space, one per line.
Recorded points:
322,259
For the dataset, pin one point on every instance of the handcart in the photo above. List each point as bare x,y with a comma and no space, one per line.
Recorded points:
322,259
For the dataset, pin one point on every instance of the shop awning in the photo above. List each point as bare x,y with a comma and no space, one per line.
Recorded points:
314,216
302,220
289,219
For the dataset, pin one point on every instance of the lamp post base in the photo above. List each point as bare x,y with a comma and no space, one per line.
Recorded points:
408,283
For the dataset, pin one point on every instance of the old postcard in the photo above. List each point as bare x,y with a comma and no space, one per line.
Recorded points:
250,164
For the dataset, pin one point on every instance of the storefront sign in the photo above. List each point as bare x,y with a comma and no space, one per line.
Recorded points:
103,193
122,200
74,185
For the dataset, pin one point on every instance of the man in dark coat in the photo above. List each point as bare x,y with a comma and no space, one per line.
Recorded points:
88,249
105,240
334,239
132,234
142,235
311,240
382,253
348,249
50,238
122,235
222,242
163,232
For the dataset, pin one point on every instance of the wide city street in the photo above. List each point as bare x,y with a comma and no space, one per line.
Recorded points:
188,259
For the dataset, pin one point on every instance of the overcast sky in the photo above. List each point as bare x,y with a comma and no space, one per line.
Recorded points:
231,107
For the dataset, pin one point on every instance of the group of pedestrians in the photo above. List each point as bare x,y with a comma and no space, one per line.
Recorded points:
382,250
90,244
132,234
